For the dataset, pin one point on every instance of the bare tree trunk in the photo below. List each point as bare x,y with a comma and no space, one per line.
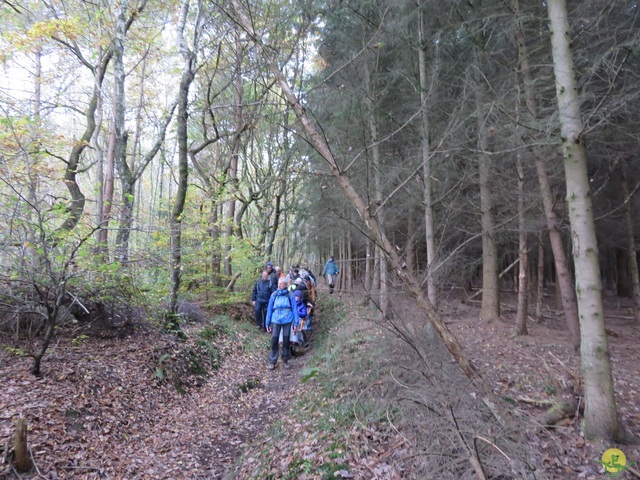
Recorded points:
540,286
490,309
382,272
216,260
273,229
235,153
183,158
631,243
523,289
410,257
368,274
563,275
119,109
348,266
95,144
107,189
427,197
623,282
601,414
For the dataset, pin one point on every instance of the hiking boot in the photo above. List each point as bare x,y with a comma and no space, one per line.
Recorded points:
286,365
271,366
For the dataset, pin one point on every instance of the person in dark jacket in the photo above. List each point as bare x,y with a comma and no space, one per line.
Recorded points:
262,291
273,276
282,315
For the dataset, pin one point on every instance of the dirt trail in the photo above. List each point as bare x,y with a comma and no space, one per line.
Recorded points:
99,412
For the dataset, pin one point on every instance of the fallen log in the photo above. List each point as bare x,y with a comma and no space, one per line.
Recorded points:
563,407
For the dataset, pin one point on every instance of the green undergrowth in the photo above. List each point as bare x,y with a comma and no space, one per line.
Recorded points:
334,417
201,350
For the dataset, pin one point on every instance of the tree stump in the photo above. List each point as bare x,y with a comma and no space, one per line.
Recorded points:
22,458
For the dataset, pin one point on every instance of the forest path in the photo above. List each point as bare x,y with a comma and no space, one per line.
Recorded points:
99,410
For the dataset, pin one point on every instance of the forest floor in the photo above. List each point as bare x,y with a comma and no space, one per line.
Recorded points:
360,404
535,366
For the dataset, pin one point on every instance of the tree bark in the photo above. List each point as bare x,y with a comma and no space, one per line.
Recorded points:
563,274
523,289
119,109
382,273
20,446
427,196
623,282
540,275
235,154
601,415
631,243
98,148
490,309
183,158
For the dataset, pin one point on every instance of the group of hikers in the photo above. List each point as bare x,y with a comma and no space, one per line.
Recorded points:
284,305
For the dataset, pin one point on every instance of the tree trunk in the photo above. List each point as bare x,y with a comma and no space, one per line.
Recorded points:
183,159
490,309
235,153
427,197
107,189
623,283
98,148
273,229
216,260
368,274
540,286
523,289
601,415
563,275
119,113
631,243
410,257
381,282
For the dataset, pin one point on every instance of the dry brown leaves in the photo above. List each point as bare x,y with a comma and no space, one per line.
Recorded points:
535,366
100,411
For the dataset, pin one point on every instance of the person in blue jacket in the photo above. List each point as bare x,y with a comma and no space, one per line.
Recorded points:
260,296
331,270
282,315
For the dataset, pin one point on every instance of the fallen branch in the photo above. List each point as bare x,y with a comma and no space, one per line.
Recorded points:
233,282
535,401
504,272
473,457
561,409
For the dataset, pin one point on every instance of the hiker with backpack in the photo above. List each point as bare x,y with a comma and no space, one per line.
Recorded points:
331,270
282,316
